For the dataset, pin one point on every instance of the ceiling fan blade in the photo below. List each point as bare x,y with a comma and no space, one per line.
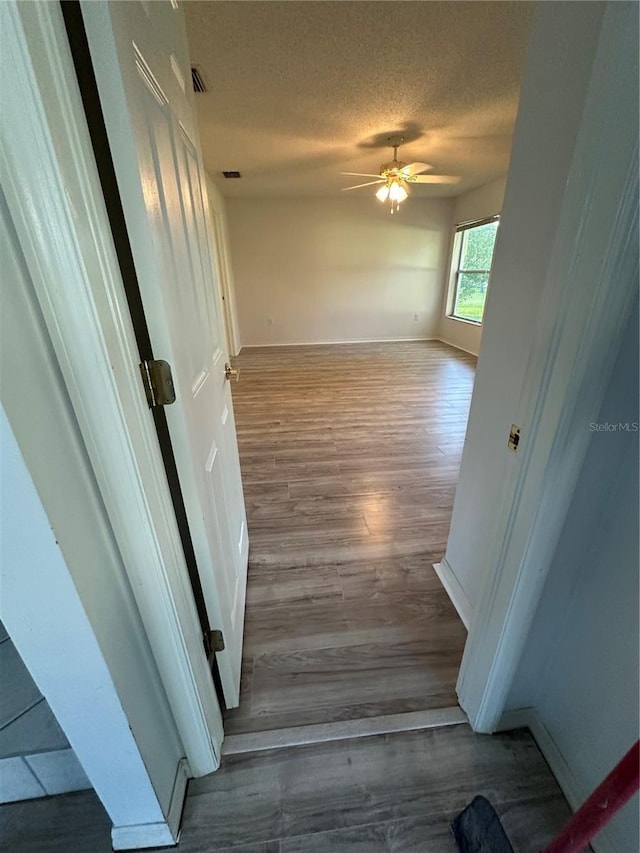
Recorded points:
415,168
361,174
368,184
434,179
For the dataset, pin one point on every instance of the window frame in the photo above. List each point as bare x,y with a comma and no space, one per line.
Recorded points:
455,270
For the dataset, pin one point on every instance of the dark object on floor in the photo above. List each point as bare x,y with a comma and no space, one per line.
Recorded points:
478,829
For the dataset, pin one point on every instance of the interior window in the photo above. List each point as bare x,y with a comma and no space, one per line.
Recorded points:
471,266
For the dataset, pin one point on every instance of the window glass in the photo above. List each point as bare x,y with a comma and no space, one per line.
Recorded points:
478,247
470,296
471,265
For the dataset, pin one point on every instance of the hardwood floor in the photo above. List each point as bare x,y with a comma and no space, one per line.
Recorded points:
349,458
387,794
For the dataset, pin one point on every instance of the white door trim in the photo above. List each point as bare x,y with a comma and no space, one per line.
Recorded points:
222,269
455,591
218,221
54,195
587,296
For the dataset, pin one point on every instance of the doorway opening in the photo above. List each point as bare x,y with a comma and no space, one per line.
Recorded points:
349,457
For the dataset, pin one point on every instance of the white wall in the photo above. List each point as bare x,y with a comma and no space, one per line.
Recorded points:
476,204
555,82
579,668
338,269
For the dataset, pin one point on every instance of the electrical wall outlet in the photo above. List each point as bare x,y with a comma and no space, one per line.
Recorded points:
416,317
269,322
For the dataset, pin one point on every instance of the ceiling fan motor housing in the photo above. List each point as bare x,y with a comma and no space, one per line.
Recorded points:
391,168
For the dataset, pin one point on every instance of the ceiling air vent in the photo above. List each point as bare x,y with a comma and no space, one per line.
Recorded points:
198,82
232,174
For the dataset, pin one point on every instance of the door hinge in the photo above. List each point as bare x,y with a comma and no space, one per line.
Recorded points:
213,642
158,382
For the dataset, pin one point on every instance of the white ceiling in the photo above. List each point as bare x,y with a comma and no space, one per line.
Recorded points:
300,91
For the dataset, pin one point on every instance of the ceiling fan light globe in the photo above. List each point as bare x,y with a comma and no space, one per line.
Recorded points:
383,193
397,192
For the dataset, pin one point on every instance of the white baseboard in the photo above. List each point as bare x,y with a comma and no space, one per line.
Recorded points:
439,339
574,791
178,795
141,836
556,761
520,718
454,591
165,834
457,346
334,343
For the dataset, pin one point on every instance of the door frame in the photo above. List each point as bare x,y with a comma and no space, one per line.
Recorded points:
222,268
220,237
55,199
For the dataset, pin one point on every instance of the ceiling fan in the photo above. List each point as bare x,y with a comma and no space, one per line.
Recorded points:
396,176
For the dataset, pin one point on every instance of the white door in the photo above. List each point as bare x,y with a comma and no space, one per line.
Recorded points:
141,63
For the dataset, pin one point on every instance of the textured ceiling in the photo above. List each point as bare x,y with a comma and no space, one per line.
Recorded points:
300,91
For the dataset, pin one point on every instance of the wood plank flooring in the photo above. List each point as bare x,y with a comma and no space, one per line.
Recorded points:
349,457
386,794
